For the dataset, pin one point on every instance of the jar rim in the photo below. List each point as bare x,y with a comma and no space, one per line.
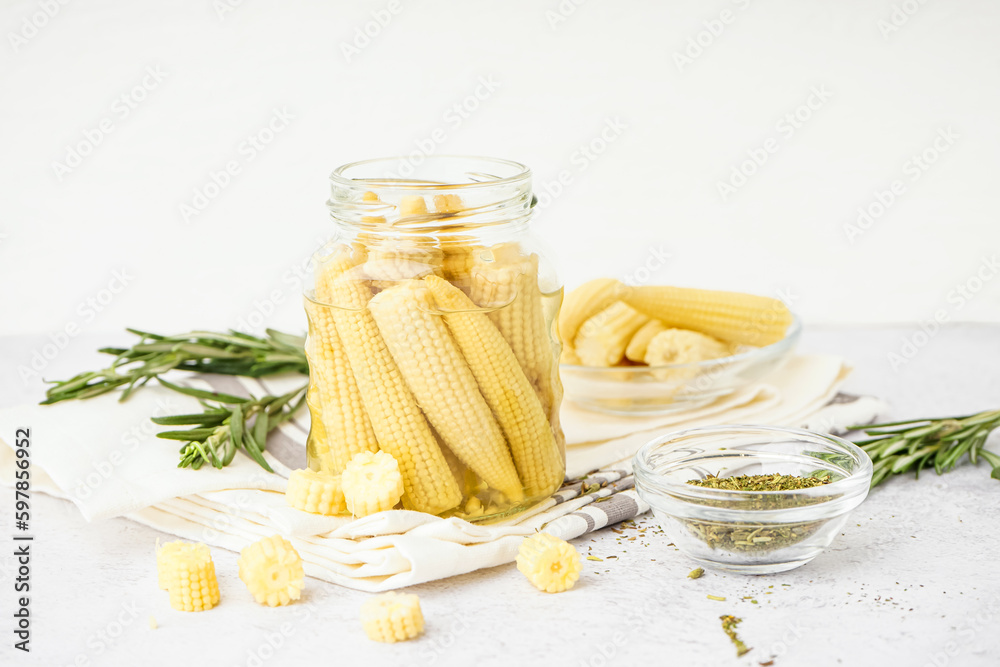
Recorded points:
521,172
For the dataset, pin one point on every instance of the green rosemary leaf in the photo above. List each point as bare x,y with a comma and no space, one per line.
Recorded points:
207,418
236,424
207,395
192,435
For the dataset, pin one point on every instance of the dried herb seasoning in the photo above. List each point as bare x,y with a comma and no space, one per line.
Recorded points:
729,624
748,536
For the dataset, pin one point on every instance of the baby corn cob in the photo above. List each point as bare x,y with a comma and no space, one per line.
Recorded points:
315,492
505,387
411,206
745,319
272,571
187,571
602,339
583,303
551,564
400,426
392,617
443,384
372,483
396,260
346,425
447,203
636,349
512,288
681,346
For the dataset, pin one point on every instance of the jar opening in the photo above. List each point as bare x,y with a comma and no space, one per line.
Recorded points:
436,193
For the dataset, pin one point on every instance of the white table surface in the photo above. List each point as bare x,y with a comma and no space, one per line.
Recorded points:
913,579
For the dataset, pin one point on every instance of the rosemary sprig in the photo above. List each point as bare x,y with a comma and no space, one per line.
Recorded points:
228,422
898,447
232,353
225,426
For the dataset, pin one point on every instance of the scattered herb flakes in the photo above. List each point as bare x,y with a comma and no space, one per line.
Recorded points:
595,558
766,664
696,573
729,624
716,598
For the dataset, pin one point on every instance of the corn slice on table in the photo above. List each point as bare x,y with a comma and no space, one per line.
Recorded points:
912,580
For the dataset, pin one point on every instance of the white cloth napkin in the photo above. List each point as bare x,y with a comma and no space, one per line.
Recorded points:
104,456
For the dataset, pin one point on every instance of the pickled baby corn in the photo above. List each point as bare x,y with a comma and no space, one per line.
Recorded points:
745,319
186,570
392,617
443,384
505,387
583,303
511,287
550,564
315,492
602,339
272,571
636,349
371,483
398,423
681,346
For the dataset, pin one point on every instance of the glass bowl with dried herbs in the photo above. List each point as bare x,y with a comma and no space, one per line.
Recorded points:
751,499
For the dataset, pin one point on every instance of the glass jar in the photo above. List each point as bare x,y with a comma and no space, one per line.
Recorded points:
432,335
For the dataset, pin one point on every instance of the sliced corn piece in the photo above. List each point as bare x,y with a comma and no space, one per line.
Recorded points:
551,564
443,384
583,303
603,338
400,426
372,483
188,573
636,349
745,319
272,571
392,617
682,346
315,492
447,203
505,387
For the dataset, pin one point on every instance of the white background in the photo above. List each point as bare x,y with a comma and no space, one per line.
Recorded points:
560,79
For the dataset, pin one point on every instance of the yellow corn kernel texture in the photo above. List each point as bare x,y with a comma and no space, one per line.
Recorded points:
186,570
583,303
745,319
315,492
346,427
443,384
392,617
372,483
681,346
636,349
399,424
551,564
505,387
602,339
272,571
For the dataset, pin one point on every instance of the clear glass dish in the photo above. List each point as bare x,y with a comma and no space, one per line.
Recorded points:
653,390
751,532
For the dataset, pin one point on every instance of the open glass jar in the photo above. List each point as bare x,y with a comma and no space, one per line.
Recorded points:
432,335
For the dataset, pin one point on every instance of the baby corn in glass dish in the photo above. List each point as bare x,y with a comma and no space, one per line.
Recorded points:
657,349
